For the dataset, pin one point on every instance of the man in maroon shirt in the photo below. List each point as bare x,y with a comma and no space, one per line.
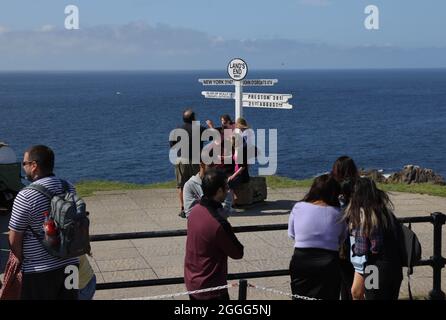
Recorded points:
210,240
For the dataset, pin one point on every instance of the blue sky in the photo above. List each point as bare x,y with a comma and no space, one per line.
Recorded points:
200,34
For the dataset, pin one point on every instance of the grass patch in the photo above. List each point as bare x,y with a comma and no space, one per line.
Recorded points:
422,188
87,188
277,182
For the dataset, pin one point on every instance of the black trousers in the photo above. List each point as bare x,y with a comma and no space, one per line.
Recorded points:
315,273
390,275
48,285
347,274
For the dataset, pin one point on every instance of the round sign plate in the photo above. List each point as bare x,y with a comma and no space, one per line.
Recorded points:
237,69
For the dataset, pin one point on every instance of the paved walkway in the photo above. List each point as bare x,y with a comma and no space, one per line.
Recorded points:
151,210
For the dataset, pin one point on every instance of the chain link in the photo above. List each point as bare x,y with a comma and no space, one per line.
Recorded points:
280,292
173,295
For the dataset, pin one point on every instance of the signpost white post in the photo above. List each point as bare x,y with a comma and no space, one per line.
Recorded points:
238,70
238,100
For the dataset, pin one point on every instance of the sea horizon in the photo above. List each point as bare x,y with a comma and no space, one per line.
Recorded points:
220,70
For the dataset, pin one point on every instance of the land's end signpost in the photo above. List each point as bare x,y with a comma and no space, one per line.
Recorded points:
238,70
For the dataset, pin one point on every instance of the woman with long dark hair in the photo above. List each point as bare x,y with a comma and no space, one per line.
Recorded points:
373,242
346,173
316,226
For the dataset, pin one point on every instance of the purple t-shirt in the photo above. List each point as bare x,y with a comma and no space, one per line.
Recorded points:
313,226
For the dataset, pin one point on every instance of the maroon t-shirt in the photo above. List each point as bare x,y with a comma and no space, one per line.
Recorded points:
208,246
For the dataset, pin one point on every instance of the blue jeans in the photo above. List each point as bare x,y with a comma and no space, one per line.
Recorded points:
228,201
87,293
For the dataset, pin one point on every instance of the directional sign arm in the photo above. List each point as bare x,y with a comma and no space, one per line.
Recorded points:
266,104
259,82
272,97
216,82
218,95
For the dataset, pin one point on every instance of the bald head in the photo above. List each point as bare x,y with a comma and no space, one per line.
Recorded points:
188,116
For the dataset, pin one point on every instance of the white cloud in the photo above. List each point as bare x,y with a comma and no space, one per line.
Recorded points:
47,28
3,29
139,46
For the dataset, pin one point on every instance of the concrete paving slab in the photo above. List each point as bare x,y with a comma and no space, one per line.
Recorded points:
122,264
116,244
119,294
170,271
165,261
129,275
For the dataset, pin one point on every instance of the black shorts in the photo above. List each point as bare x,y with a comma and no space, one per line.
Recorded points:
49,285
184,172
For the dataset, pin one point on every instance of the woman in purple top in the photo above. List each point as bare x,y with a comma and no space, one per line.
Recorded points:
317,228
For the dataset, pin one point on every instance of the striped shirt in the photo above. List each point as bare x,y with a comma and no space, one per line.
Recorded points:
27,212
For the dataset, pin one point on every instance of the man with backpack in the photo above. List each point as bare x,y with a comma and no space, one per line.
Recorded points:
44,273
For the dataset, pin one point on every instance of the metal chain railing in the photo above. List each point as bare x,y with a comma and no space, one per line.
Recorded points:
436,261
186,293
296,296
231,285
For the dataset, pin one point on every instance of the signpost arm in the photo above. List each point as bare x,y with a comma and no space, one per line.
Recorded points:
238,99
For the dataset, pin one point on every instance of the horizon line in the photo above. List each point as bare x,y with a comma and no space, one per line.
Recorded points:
219,70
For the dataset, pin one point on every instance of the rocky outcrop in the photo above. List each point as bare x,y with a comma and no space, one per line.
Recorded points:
409,174
416,174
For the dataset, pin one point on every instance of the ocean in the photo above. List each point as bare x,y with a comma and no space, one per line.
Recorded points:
115,125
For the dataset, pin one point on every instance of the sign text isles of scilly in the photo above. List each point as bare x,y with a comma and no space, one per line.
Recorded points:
238,70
